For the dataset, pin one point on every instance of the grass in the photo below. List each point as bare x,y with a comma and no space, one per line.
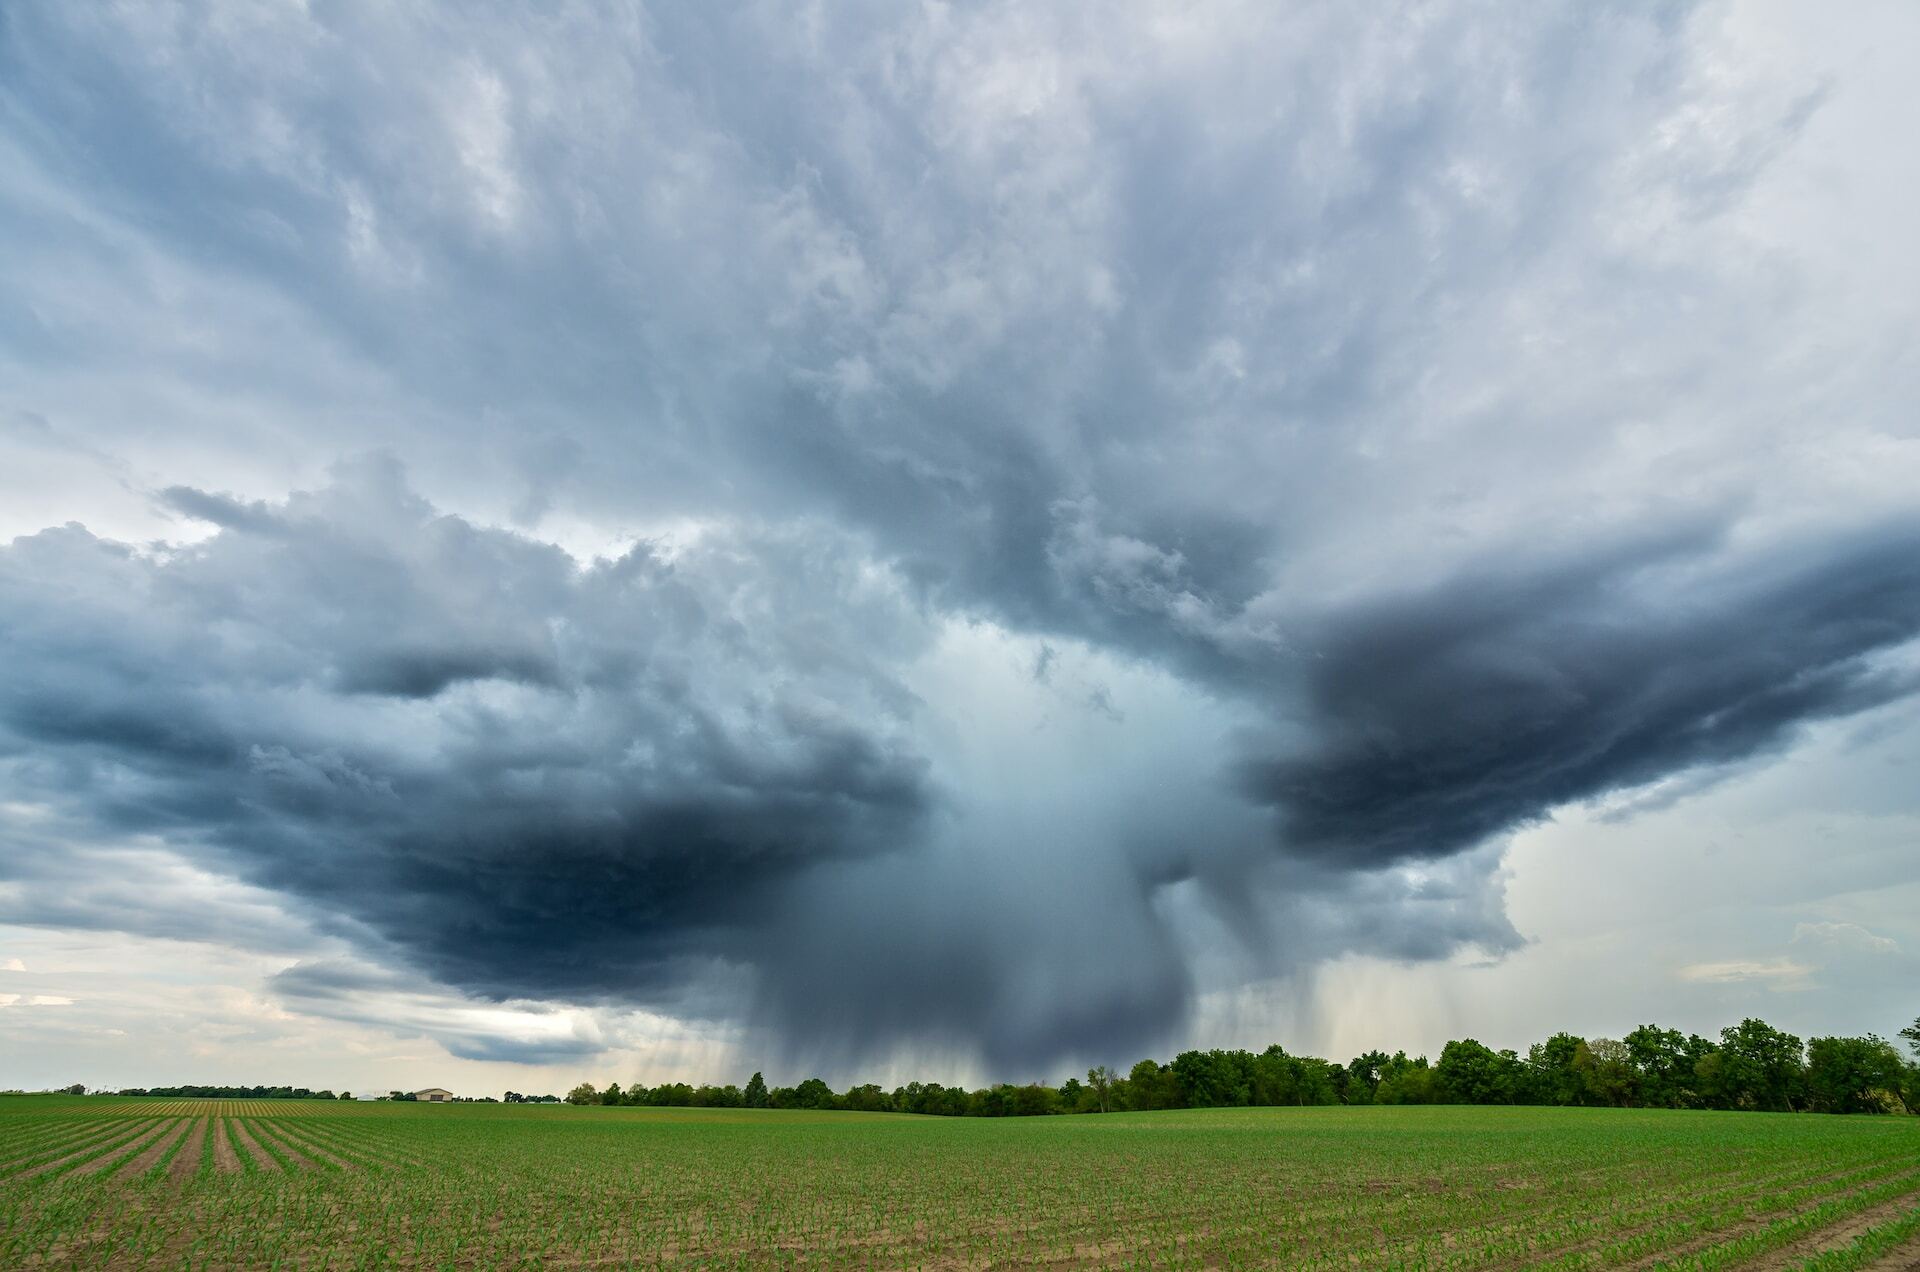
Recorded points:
491,1186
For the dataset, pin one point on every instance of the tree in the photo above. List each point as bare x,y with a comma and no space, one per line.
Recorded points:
1364,1072
1316,1081
1606,1072
1553,1074
1151,1087
1404,1081
1211,1079
1101,1079
1912,1034
1470,1072
583,1094
813,1094
1666,1065
78,1088
867,1099
1855,1075
756,1093
1758,1067
1276,1078
1033,1100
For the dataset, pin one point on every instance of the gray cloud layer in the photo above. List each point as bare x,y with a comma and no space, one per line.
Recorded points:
532,778
1455,408
1443,718
632,780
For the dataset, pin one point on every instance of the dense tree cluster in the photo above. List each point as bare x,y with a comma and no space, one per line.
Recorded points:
1751,1066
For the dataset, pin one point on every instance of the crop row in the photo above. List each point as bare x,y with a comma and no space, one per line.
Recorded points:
1382,1188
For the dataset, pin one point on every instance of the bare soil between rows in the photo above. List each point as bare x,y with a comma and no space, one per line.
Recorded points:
149,1157
186,1162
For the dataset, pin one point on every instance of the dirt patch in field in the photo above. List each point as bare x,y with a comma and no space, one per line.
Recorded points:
261,1157
148,1158
187,1161
225,1159
1407,1187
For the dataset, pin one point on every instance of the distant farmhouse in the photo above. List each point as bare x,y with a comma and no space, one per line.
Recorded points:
433,1095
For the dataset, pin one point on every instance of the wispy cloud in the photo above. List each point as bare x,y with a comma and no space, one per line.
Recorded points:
1848,936
1778,973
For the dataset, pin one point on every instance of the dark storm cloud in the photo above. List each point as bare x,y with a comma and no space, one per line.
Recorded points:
530,777
1436,720
1316,360
713,773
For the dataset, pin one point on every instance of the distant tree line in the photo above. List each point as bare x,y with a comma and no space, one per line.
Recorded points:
513,1097
301,1093
236,1093
1751,1066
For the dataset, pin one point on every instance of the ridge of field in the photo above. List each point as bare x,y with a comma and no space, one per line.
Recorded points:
109,1182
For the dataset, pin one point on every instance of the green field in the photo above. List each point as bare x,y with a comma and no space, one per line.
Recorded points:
107,1182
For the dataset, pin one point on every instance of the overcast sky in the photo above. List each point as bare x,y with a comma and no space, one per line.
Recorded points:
966,542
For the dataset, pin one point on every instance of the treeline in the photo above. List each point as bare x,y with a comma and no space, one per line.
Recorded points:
1751,1066
301,1093
234,1093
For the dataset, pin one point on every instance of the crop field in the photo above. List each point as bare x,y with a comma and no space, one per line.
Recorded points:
104,1182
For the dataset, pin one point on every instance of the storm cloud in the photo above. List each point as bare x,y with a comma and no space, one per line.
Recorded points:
947,532
1438,720
688,779
532,776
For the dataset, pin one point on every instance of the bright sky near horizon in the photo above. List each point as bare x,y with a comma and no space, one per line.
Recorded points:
650,542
